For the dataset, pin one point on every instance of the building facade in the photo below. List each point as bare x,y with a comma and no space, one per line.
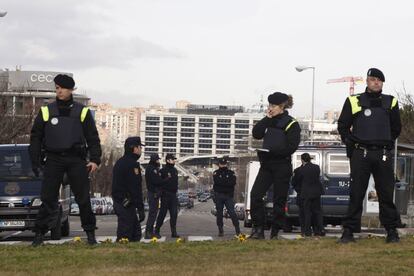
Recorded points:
196,130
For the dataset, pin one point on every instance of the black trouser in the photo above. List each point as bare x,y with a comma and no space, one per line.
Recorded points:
299,202
312,216
128,224
362,165
169,203
75,168
226,200
153,202
271,173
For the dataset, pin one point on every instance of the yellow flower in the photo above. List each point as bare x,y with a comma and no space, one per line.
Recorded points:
179,240
241,237
154,240
108,240
124,241
77,239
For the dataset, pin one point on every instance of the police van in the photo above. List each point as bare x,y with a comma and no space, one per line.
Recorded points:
335,177
20,193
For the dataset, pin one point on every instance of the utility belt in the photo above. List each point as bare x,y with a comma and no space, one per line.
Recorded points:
76,151
371,147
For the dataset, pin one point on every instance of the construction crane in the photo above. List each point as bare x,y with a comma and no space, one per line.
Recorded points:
351,80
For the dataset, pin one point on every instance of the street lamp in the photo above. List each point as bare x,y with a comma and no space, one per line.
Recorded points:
300,69
3,13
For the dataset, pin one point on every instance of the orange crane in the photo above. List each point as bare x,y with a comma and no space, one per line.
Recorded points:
351,80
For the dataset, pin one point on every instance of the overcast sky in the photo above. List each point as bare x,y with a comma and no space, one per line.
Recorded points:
136,53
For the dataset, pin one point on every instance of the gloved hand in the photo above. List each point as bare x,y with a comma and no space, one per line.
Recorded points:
36,171
141,215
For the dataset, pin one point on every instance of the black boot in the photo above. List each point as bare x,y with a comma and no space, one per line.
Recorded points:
237,228
347,236
91,237
38,239
274,234
174,233
221,232
257,233
157,233
148,235
392,236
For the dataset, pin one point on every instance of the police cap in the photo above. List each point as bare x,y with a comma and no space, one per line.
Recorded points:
64,81
306,157
154,157
277,98
374,72
222,161
133,141
170,156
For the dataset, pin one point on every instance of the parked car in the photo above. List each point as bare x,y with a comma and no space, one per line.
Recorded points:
185,201
20,193
202,198
239,209
74,209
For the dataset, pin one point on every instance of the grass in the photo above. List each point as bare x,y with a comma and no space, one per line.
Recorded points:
283,257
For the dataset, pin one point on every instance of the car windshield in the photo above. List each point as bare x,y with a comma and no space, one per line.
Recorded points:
15,163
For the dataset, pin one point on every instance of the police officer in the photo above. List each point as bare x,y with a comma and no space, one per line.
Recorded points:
306,181
65,130
127,191
369,124
281,136
224,182
169,201
154,183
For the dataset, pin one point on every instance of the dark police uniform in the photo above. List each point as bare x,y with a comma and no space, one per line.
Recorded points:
66,131
375,122
281,136
224,182
306,181
154,182
127,193
169,201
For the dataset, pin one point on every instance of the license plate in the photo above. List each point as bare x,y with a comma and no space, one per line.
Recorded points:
12,223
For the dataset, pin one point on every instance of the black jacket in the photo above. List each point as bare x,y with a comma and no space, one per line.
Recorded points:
89,131
153,177
170,175
292,136
127,180
306,181
224,181
346,120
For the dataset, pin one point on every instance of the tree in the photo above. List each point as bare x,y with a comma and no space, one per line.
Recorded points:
16,120
406,103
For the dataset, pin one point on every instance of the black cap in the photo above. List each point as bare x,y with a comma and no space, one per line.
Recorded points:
170,156
222,161
374,72
154,157
64,81
278,98
306,157
133,141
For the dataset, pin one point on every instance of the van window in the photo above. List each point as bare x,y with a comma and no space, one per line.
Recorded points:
14,163
338,164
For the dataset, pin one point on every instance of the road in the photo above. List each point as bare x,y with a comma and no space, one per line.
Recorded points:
193,224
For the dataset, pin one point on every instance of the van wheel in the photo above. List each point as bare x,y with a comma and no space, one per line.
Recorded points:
65,229
56,232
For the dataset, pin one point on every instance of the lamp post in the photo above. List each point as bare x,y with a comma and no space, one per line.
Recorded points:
300,69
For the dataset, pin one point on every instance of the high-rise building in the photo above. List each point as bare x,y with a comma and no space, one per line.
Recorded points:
196,130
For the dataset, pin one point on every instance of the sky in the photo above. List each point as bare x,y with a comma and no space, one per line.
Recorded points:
227,52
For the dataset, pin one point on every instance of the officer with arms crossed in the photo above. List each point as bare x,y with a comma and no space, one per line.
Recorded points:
281,136
154,183
169,201
369,124
66,131
127,191
224,182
